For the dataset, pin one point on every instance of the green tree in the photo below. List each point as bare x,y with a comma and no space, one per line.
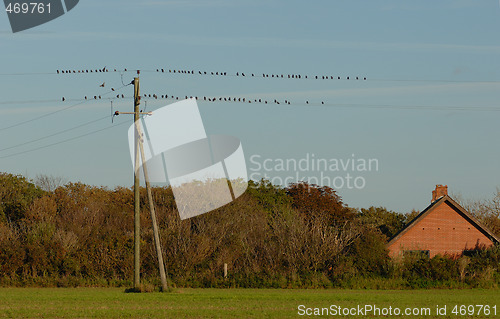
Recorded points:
388,222
16,196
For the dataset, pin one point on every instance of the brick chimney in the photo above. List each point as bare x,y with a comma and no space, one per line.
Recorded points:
439,192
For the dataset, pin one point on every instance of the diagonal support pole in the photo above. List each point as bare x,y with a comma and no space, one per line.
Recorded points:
156,235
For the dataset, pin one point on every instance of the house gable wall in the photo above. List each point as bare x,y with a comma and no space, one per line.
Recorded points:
443,231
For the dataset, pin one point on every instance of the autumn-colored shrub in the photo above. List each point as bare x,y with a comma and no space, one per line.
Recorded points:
300,236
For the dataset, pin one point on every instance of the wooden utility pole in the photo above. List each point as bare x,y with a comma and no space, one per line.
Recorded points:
139,150
137,208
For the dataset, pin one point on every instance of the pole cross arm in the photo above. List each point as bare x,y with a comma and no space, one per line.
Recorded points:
145,113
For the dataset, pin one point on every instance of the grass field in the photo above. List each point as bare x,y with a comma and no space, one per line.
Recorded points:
230,303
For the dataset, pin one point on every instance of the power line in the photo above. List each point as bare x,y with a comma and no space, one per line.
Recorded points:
28,73
288,101
54,134
29,102
432,81
63,141
40,117
314,102
54,112
267,75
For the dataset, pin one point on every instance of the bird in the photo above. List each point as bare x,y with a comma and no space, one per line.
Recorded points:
122,96
63,99
112,89
103,84
85,97
307,102
322,102
104,69
57,71
242,74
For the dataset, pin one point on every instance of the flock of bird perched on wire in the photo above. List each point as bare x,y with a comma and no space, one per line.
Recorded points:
211,73
242,74
204,98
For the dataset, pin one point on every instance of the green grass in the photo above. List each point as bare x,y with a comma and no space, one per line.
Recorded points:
223,303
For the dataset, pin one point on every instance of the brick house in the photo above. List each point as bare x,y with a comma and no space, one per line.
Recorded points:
444,227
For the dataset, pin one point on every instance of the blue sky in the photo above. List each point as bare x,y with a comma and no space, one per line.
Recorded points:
428,111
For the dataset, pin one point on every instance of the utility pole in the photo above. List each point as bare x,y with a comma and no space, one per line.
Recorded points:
137,208
139,149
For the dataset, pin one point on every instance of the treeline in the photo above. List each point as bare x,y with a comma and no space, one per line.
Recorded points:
301,236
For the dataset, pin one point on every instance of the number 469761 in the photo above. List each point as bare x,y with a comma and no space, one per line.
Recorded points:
472,310
24,8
